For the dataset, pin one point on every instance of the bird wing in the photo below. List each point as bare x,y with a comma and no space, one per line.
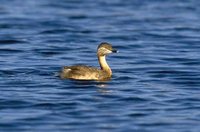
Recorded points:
81,72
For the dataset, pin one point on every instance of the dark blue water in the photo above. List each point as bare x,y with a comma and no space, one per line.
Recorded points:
156,75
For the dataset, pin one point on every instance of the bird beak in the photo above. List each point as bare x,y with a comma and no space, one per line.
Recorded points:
114,51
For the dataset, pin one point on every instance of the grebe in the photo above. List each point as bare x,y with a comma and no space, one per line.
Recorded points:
81,72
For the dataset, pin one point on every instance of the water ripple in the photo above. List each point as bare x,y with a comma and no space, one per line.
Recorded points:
155,83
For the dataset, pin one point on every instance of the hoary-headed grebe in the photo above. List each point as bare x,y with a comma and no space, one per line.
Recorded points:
81,72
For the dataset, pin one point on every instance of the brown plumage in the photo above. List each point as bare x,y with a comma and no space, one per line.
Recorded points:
81,72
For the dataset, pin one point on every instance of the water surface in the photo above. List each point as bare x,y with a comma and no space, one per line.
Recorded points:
155,84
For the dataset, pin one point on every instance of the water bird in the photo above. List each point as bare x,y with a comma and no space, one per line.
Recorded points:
82,72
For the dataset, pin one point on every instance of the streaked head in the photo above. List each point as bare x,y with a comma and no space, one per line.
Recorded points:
105,48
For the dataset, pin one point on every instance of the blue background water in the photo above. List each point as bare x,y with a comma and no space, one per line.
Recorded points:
155,84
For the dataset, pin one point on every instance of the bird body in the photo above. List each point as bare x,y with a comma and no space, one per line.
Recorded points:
82,72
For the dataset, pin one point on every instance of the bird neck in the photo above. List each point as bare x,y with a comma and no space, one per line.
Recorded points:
104,65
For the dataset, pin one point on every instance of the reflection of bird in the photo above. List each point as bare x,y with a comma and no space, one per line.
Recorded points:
81,72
